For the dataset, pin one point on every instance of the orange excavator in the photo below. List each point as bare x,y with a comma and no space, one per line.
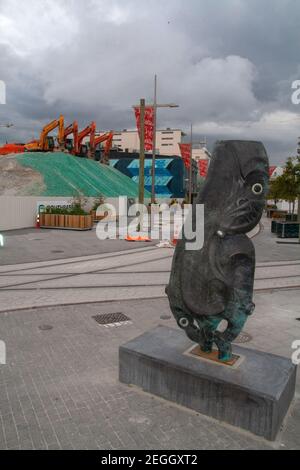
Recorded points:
82,149
46,143
108,138
71,145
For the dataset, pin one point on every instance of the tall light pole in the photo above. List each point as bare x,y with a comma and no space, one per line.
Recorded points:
155,106
154,142
298,177
191,167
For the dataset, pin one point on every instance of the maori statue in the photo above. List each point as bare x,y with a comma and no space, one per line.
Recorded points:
215,283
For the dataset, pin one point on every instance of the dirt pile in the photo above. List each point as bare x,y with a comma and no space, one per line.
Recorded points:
17,180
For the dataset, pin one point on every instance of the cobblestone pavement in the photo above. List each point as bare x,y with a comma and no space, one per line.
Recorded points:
27,245
267,248
133,274
60,389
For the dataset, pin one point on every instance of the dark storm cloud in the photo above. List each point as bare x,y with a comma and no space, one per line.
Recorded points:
228,64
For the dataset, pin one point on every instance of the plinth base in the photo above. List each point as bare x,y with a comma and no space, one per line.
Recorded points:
253,393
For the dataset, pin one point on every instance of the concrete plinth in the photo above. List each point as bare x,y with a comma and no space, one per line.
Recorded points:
254,394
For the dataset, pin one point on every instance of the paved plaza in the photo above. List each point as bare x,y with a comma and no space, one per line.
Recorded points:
60,388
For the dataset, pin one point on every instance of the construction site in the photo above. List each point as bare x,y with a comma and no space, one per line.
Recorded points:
69,164
66,162
149,230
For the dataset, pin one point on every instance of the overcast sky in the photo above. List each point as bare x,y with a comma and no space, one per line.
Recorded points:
229,64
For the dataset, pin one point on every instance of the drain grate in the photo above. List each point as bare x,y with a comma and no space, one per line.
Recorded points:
243,338
112,319
57,251
298,319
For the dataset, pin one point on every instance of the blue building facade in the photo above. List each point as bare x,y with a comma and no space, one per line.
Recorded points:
170,173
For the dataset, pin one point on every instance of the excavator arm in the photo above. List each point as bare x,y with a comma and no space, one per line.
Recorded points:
42,144
72,129
108,144
103,138
61,126
68,130
108,137
89,130
49,128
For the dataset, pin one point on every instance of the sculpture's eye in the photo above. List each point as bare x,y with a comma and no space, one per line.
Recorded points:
257,188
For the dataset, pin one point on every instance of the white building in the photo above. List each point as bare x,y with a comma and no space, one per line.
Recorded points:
276,171
167,141
200,152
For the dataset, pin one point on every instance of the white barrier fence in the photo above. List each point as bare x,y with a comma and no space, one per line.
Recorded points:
20,211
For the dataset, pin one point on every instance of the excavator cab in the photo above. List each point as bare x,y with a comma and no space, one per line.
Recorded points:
83,151
97,156
69,144
102,154
50,143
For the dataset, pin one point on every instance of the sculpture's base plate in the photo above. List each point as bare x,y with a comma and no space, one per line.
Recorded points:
254,394
213,356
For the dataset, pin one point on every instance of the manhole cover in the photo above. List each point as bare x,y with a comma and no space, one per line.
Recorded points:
57,251
45,327
112,319
243,338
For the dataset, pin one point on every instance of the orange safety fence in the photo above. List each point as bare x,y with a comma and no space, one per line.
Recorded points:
137,239
12,148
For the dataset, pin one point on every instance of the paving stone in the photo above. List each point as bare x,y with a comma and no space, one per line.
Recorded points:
60,387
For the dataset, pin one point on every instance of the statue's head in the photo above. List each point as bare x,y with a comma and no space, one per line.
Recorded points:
236,186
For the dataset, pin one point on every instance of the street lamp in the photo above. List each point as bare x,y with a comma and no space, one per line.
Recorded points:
155,106
191,167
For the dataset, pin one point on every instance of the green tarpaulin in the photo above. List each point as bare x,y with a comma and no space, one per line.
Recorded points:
66,175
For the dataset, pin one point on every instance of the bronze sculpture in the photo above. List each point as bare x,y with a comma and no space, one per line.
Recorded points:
215,283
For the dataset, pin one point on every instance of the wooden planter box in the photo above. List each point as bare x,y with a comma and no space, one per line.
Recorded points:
66,222
277,214
61,220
